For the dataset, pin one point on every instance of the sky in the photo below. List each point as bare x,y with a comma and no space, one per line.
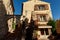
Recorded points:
55,7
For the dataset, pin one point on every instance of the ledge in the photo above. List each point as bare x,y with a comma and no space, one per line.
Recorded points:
44,26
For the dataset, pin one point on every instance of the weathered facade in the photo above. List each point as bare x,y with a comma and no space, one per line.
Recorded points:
9,14
40,12
5,11
3,22
8,6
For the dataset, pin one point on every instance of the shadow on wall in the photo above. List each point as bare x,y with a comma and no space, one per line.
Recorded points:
3,22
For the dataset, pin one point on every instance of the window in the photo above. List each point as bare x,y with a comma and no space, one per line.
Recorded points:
41,17
41,7
26,12
44,18
44,31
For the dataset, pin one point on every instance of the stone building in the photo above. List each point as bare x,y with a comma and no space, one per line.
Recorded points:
9,6
10,14
3,24
7,14
11,19
40,11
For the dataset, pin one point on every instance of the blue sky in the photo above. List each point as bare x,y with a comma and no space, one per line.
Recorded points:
55,7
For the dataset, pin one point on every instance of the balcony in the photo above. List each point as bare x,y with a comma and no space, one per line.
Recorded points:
41,7
42,12
42,23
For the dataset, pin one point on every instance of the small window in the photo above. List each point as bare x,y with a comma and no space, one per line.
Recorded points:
26,12
41,17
